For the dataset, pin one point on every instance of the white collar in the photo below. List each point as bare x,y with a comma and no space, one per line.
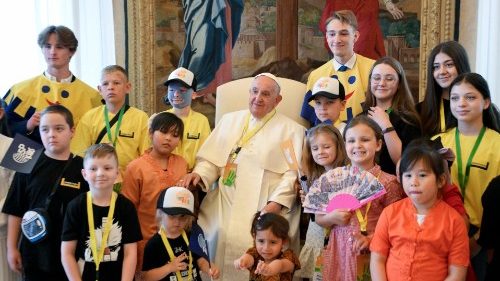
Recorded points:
350,63
66,80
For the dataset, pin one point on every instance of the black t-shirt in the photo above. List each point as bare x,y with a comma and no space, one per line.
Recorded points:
406,134
30,191
156,255
124,230
490,228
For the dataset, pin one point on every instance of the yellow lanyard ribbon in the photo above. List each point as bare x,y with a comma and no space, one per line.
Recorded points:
172,256
247,135
363,220
98,253
442,117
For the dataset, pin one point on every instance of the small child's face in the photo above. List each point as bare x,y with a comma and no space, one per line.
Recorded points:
101,172
328,109
178,95
55,133
165,143
361,145
175,224
268,245
323,150
421,185
114,86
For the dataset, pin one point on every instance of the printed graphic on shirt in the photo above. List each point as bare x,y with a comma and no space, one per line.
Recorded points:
112,246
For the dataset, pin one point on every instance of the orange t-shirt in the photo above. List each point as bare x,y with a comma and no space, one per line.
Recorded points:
420,252
142,184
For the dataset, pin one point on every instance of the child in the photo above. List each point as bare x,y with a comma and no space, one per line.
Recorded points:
101,227
420,237
181,84
490,230
347,245
6,176
149,174
167,255
56,174
116,123
389,102
324,150
474,142
446,61
329,100
267,259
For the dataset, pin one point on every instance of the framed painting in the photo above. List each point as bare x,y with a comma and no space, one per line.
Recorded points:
155,36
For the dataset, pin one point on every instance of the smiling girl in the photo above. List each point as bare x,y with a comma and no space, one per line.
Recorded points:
389,103
474,141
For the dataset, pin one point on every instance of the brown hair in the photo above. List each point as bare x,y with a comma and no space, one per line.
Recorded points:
402,102
64,35
100,150
59,109
344,16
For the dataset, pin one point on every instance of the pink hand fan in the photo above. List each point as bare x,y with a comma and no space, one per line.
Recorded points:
342,188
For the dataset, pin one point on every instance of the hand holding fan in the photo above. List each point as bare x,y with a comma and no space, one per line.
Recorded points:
342,188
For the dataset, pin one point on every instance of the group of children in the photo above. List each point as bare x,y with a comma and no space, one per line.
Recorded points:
417,234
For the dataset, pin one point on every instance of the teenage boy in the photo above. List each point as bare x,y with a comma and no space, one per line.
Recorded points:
329,101
351,69
56,175
181,84
104,246
57,85
116,123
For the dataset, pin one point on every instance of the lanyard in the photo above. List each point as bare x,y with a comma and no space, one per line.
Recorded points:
247,135
172,256
442,117
463,179
363,220
98,253
388,111
119,123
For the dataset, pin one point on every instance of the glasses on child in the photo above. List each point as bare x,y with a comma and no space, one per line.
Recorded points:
377,79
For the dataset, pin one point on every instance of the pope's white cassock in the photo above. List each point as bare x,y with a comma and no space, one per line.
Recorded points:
262,175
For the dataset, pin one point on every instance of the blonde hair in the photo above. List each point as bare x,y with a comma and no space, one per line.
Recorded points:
160,215
312,169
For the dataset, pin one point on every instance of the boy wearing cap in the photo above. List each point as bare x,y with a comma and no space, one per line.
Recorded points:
116,123
329,100
181,84
167,255
101,228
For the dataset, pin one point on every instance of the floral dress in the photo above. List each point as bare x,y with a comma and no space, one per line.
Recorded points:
340,261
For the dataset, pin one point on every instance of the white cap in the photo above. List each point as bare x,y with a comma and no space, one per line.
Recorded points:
328,87
184,76
176,200
269,75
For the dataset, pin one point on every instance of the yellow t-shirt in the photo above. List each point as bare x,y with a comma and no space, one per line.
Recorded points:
484,167
133,137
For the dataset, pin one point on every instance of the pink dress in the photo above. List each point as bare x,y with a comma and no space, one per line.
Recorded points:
340,261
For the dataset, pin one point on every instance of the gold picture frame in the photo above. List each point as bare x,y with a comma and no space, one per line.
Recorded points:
437,25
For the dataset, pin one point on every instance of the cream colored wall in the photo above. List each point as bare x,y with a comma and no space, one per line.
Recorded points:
119,19
468,28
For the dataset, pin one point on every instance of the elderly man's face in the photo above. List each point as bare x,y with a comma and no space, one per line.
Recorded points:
264,96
